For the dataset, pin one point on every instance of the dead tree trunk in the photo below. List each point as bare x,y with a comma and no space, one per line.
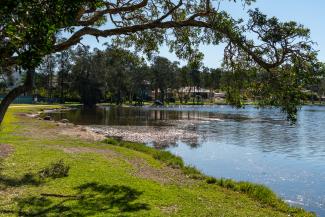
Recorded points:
14,93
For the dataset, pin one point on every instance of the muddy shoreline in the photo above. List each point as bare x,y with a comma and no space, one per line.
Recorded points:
160,137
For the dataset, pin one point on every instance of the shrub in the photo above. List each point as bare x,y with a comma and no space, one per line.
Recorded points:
55,170
211,180
111,141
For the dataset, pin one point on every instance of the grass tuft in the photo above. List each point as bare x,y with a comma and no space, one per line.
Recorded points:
55,170
193,172
211,180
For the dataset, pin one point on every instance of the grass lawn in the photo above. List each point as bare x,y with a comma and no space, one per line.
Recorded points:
112,178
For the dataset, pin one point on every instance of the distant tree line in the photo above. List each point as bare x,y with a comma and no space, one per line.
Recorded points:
118,76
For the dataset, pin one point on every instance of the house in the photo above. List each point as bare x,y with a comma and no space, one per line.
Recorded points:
191,92
202,92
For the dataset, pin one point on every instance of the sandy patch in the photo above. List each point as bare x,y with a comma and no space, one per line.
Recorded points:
80,132
5,150
164,175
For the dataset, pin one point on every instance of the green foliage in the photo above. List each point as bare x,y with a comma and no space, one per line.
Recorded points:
211,180
163,74
111,141
29,27
56,170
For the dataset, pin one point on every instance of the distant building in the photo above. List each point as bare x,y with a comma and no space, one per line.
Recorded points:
193,92
204,93
220,95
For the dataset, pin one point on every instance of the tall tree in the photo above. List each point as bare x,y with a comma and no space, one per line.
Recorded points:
30,29
162,75
88,78
64,69
121,68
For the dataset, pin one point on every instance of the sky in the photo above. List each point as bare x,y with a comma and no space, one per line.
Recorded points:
310,13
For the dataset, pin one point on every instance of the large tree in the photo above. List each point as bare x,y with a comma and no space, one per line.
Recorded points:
88,76
162,76
31,29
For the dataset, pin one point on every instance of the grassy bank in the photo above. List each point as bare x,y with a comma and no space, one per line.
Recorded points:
111,178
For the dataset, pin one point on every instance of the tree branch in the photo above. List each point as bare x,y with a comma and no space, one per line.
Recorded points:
109,10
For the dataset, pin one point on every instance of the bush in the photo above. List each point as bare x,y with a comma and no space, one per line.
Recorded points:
111,141
211,180
55,170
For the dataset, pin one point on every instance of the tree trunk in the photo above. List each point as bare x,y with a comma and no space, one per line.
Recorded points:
14,93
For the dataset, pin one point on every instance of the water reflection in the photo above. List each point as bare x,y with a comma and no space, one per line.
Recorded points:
247,144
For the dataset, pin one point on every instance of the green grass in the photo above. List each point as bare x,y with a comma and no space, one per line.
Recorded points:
255,191
160,155
105,180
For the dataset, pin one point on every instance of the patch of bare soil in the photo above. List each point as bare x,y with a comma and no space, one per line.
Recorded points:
79,132
164,175
66,129
169,210
32,115
5,150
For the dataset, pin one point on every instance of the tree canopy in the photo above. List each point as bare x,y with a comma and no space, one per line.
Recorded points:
273,50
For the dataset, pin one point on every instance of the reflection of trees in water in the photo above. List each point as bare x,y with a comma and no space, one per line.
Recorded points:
263,130
191,142
165,144
116,115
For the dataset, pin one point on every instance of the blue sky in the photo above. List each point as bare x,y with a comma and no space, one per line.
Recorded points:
309,13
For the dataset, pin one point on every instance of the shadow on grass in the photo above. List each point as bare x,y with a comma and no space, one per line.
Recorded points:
91,198
27,179
54,171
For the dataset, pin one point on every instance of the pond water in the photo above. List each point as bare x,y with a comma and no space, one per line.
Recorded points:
249,144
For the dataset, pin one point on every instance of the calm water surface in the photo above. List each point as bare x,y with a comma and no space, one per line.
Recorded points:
246,144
